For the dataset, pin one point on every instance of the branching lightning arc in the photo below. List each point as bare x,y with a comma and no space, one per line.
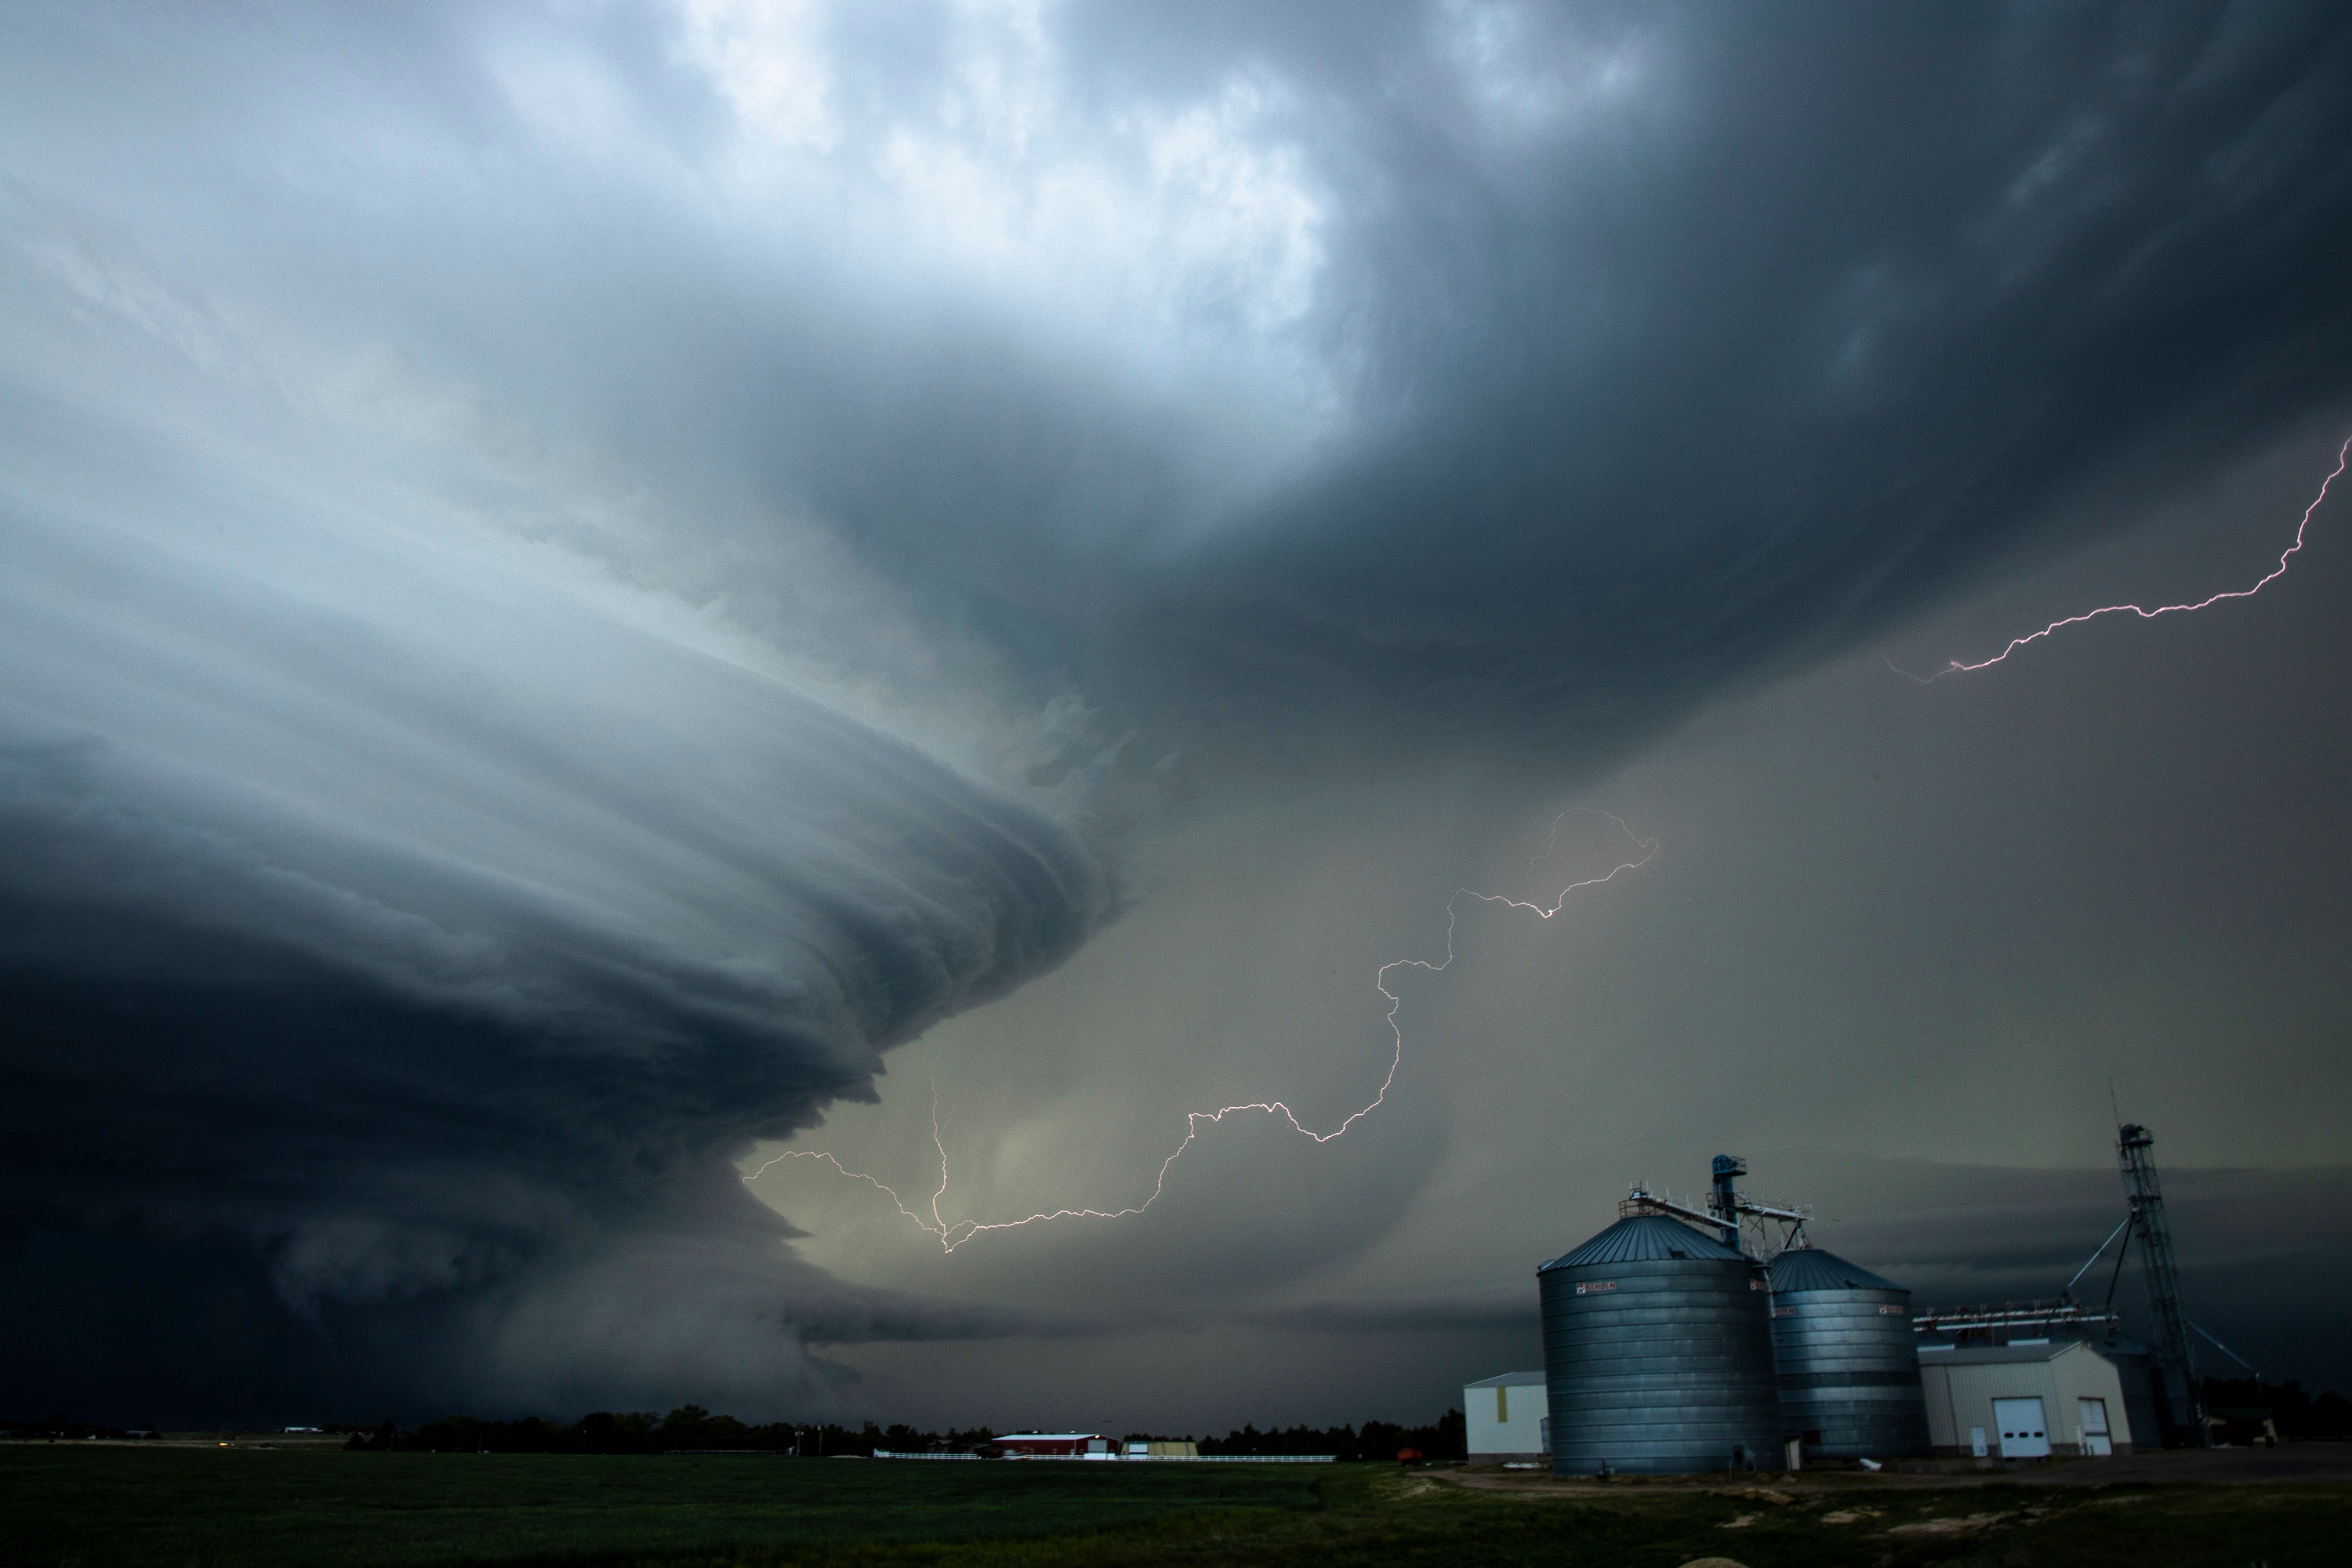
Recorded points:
1959,667
954,1233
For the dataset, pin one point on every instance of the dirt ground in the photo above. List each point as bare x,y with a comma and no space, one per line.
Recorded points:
2324,1463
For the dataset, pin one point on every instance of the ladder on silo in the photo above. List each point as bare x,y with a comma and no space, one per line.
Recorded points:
2176,1360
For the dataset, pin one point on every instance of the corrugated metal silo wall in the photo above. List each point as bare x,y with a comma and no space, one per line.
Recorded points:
1850,1371
2141,1411
1660,1368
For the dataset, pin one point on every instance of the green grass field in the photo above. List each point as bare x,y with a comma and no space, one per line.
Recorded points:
94,1508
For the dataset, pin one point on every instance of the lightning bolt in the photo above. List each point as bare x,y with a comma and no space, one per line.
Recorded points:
2273,575
954,1233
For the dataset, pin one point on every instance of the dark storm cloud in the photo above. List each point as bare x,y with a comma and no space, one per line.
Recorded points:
1687,338
1484,366
1603,356
574,575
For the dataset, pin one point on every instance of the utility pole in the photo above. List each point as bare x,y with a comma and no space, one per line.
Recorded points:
2176,1360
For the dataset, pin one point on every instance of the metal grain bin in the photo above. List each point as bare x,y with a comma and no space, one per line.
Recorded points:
1658,1354
2136,1370
1849,1362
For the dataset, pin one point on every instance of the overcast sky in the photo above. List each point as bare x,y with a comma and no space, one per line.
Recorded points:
591,594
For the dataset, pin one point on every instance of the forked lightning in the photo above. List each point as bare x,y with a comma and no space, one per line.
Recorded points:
1959,667
954,1233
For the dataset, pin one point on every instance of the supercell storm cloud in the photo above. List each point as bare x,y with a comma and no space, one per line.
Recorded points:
572,575
381,907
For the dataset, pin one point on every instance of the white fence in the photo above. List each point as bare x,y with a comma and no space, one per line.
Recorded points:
1193,1458
1142,1459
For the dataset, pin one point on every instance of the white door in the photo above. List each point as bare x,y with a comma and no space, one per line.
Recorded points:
2022,1433
2096,1441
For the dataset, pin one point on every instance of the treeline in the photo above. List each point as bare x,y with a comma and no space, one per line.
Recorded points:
688,1429
691,1428
1446,1439
2298,1416
66,1426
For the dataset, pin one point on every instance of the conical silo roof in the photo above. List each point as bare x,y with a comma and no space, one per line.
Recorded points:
1643,1238
1811,1268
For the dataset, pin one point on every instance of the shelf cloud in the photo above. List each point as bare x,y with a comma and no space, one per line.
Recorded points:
574,575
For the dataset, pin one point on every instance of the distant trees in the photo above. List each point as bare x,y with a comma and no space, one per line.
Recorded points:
688,1429
52,1426
1446,1438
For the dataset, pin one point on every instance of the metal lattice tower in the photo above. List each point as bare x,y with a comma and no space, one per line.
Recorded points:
2176,1361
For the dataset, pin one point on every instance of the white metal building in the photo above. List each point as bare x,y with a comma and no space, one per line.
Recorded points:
2025,1400
1508,1419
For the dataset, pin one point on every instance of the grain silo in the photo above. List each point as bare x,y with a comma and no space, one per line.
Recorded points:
1848,1361
1658,1353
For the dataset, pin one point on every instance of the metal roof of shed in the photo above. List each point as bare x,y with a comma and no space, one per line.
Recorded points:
1811,1268
1643,1238
1508,1380
1980,1355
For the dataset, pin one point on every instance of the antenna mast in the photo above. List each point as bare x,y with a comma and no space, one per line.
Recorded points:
2176,1360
